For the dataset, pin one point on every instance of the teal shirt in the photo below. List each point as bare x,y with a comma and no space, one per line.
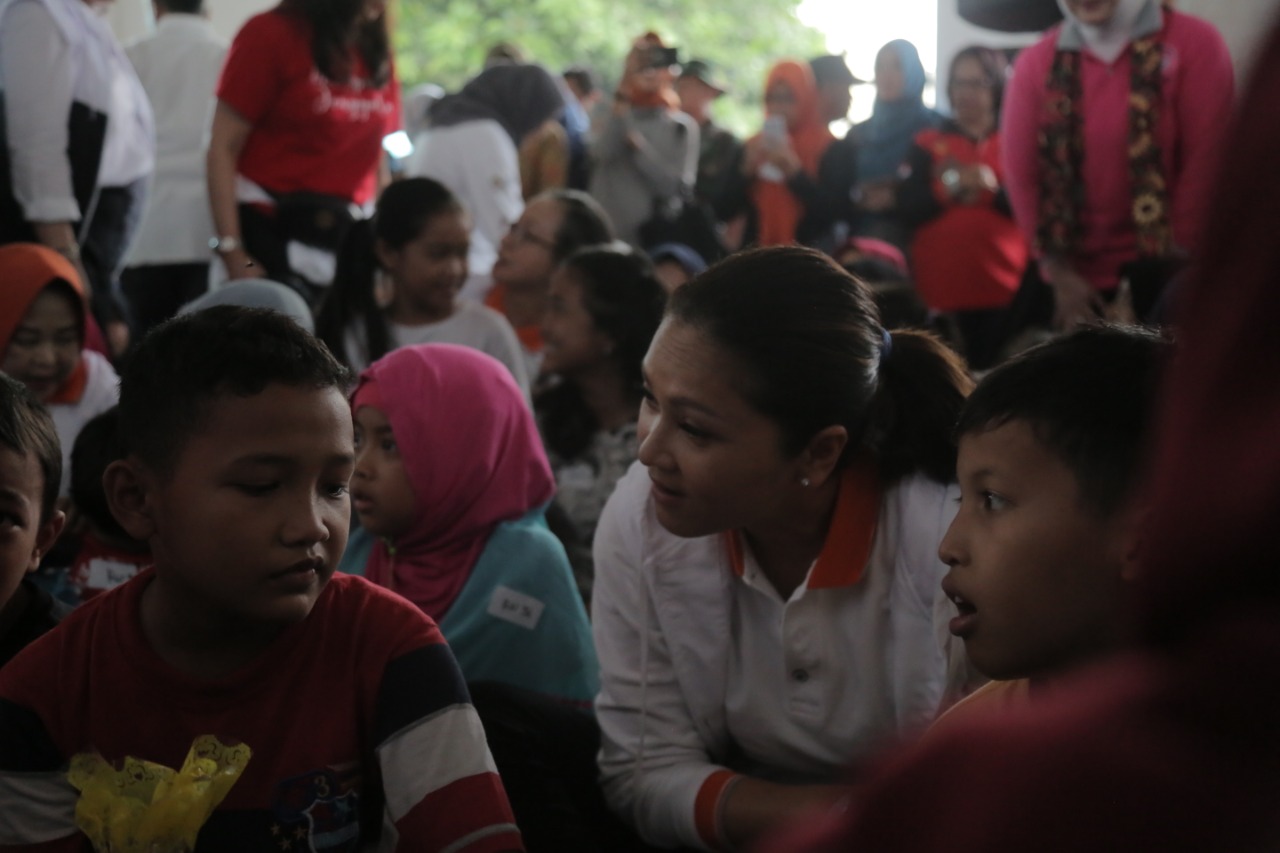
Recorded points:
519,619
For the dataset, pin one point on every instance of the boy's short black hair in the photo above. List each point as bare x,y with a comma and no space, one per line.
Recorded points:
26,427
97,446
1088,396
184,364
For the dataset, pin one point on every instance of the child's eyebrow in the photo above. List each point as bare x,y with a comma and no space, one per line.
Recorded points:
12,495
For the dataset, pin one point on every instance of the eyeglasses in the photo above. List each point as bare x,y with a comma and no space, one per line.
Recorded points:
524,235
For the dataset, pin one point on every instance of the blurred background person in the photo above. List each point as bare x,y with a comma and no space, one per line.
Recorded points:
1112,126
471,146
967,255
79,144
698,88
644,150
884,140
178,67
306,96
777,182
603,307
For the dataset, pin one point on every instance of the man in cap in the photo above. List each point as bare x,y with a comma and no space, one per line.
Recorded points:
698,86
834,80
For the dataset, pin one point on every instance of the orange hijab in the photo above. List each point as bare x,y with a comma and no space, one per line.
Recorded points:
664,96
778,210
25,270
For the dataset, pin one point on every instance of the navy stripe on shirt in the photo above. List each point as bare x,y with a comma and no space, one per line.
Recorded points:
416,685
25,744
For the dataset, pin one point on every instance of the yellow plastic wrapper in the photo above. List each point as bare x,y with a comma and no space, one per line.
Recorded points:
148,808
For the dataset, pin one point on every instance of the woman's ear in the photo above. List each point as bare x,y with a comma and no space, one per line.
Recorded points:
820,457
386,255
128,484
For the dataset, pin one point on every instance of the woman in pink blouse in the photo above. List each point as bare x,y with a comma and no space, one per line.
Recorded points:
1111,127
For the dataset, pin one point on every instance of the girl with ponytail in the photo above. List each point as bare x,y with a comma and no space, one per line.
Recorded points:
397,282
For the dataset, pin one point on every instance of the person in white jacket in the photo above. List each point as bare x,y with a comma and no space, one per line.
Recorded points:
767,607
178,66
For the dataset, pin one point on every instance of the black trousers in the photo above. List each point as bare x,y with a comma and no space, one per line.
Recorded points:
110,232
155,292
546,755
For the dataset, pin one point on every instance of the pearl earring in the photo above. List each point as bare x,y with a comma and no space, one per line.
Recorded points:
804,481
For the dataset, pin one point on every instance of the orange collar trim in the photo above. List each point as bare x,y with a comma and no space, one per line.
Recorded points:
850,538
530,336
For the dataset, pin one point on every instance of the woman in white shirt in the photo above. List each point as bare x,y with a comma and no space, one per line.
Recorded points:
77,143
767,605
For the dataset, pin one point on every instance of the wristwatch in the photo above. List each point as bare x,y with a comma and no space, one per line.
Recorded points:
224,245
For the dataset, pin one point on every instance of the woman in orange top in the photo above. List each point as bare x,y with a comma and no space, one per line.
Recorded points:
778,186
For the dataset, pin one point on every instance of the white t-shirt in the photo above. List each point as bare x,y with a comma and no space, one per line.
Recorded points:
470,325
101,392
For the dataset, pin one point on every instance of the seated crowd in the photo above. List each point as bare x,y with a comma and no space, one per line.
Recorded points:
608,483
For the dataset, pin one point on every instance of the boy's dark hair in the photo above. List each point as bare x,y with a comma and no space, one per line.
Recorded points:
96,447
26,427
183,365
1088,396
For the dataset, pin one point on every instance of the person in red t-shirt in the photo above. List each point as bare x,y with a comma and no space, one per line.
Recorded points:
968,254
305,99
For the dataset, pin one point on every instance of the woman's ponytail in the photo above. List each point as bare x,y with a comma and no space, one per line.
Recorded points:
912,417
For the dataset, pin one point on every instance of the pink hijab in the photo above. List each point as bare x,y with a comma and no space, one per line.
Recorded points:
474,460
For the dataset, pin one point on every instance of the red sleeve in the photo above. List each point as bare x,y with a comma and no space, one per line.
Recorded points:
1019,129
251,79
1204,103
395,118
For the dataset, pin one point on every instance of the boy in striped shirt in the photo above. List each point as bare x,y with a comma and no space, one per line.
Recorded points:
239,448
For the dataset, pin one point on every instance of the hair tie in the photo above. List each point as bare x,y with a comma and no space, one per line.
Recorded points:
886,345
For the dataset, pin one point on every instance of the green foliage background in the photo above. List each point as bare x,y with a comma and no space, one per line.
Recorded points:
444,41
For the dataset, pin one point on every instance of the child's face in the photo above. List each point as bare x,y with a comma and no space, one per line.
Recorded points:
526,255
23,537
45,347
249,525
380,490
1036,574
570,339
429,271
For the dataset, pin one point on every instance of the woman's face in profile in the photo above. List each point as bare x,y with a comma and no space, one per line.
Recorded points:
1095,13
715,462
891,84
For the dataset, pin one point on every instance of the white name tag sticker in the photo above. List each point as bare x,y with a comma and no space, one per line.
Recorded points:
107,574
516,607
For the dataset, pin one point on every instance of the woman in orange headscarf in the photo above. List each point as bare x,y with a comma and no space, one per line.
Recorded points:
778,184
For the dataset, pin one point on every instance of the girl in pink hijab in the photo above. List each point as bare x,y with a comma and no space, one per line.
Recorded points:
451,481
